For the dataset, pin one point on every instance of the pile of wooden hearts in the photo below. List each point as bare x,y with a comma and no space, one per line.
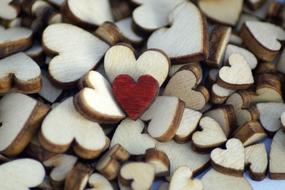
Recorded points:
116,94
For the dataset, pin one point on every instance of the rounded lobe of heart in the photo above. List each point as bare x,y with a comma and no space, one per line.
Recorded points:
134,97
140,175
236,76
120,59
8,11
90,12
188,48
277,156
230,161
21,174
125,27
220,91
64,125
98,181
95,101
182,180
182,85
78,51
224,11
20,70
266,34
11,106
212,135
129,134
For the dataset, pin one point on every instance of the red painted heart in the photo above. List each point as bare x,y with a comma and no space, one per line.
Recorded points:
134,97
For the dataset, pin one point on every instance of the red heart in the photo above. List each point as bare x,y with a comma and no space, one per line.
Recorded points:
134,97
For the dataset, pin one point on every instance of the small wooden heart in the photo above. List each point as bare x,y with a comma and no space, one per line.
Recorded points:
134,97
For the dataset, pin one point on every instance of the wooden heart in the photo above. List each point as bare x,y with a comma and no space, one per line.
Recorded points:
219,94
223,11
72,130
182,180
214,180
14,40
248,56
270,115
77,178
74,47
277,156
230,161
211,136
15,134
183,84
151,15
159,160
188,48
87,13
91,100
183,155
137,175
263,39
236,76
120,59
20,72
21,174
134,97
9,9
256,158
165,112
99,182
129,134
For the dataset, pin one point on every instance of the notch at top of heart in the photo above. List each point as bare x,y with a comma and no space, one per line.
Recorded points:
121,59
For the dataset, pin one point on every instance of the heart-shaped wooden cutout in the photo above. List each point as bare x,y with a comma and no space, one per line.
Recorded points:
159,160
219,94
21,174
263,39
211,136
14,40
214,180
71,129
151,15
134,97
230,161
21,72
188,48
137,175
99,182
15,134
78,177
183,155
182,180
165,112
9,9
120,59
77,52
236,76
129,134
256,158
94,97
183,84
270,115
87,13
223,11
277,156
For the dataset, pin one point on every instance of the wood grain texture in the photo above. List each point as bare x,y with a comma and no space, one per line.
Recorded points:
134,97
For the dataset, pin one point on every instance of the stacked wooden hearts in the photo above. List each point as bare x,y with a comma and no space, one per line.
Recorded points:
115,94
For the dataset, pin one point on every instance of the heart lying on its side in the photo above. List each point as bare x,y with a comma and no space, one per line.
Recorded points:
134,97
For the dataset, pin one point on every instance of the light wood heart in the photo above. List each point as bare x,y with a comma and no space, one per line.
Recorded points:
182,180
236,76
159,160
19,71
87,138
263,39
183,84
188,48
9,9
120,59
129,134
230,161
99,182
12,174
277,156
73,46
223,11
94,97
